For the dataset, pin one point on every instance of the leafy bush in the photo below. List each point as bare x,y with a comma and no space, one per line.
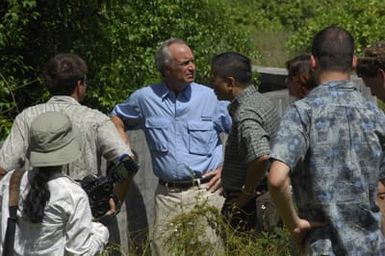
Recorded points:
364,19
124,56
116,38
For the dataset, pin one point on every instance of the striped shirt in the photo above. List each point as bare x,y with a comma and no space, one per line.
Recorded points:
97,134
255,120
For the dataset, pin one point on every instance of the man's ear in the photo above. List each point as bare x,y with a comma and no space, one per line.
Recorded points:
230,82
313,62
354,62
78,84
165,71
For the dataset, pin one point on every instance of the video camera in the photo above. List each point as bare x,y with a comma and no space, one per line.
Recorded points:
100,188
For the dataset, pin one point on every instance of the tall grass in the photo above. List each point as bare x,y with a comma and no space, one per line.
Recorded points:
186,237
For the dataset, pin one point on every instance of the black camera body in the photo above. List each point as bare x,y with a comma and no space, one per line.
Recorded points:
100,188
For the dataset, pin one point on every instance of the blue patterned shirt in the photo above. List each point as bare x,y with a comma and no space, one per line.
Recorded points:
182,130
333,142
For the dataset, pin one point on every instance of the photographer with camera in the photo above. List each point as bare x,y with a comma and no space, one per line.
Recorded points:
65,76
42,219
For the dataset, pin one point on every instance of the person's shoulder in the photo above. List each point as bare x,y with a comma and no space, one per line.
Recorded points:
374,111
260,100
25,117
32,111
68,186
86,114
203,91
298,109
201,87
150,90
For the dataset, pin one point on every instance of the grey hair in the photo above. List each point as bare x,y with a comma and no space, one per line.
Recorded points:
162,56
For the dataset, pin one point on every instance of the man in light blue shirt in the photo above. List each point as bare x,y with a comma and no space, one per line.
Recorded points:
182,121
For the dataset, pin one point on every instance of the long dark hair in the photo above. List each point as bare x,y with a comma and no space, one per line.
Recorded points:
300,70
38,194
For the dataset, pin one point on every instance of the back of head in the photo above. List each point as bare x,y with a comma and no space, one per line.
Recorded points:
373,59
163,57
62,72
299,69
232,64
333,47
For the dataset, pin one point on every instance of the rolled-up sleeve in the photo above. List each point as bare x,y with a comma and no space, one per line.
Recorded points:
129,111
14,148
109,142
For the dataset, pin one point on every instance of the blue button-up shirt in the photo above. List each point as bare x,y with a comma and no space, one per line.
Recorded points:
182,130
338,139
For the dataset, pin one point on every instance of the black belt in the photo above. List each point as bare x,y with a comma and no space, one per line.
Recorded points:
184,184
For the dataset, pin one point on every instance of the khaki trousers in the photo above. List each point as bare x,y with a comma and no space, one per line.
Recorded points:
170,202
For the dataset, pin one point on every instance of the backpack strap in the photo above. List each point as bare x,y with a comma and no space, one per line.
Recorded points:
14,191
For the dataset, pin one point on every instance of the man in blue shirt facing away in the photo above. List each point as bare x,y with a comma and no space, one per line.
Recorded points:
182,121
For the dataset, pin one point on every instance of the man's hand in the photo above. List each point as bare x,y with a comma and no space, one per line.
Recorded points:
215,182
301,229
113,209
109,216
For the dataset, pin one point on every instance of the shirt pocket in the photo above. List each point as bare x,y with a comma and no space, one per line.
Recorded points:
157,129
201,137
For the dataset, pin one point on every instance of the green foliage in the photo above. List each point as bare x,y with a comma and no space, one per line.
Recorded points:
15,15
280,25
363,18
118,40
132,32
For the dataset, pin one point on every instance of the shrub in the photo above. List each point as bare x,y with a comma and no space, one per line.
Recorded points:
364,19
116,38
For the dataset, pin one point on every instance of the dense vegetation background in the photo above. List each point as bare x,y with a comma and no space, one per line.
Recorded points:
118,39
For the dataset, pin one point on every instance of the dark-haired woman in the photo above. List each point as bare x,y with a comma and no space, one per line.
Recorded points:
300,78
53,214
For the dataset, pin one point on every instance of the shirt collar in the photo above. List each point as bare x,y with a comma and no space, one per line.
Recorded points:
246,92
165,91
63,99
346,84
251,89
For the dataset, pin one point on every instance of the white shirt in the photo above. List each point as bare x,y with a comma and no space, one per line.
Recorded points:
67,227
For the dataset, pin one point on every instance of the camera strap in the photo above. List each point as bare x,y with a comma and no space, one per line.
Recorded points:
14,191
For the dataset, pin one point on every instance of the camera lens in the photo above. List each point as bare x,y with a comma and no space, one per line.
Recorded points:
107,187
